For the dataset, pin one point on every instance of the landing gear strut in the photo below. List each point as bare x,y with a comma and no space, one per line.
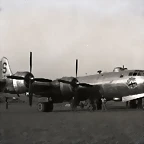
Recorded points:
74,103
133,104
91,105
45,106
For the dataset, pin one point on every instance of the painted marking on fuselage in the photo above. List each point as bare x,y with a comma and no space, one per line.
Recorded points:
132,97
131,83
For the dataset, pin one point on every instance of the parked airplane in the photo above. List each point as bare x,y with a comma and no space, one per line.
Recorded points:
17,86
120,85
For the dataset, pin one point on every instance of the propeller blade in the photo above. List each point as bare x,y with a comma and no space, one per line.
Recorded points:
30,99
30,93
76,83
76,67
30,62
16,77
63,81
85,85
42,80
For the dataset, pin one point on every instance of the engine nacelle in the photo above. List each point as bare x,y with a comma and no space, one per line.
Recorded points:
21,86
66,89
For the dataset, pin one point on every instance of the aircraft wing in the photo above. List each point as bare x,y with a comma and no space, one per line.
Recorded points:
43,87
132,97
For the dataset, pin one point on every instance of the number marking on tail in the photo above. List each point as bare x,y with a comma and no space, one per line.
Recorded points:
4,67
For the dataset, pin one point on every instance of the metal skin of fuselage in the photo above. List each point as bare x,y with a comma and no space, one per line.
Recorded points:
112,85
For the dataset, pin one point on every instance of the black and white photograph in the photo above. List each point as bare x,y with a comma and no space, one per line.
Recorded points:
71,71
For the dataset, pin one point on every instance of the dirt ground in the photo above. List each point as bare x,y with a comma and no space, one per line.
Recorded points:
21,124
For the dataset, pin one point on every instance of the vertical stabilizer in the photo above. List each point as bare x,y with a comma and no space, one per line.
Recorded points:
5,68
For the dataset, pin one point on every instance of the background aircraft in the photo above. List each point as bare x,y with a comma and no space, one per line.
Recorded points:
120,85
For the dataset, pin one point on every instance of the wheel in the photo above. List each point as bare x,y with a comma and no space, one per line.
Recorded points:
41,107
81,105
91,105
45,107
49,106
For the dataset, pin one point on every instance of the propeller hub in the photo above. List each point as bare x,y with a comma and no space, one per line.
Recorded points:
28,78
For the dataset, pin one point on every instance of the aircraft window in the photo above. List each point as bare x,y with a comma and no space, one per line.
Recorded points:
130,74
139,74
134,74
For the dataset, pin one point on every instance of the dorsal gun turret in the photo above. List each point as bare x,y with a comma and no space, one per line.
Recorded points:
118,69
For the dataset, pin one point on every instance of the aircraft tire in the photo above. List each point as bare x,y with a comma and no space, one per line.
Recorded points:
45,107
91,105
41,107
49,107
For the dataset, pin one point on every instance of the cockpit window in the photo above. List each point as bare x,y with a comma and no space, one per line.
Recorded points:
137,73
131,73
142,73
134,74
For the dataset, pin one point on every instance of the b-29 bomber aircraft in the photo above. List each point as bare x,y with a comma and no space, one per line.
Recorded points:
119,85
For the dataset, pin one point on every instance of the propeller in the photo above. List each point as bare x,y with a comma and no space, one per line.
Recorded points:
76,67
75,82
30,80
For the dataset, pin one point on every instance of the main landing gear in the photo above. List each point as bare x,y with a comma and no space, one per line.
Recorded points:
45,105
92,104
135,104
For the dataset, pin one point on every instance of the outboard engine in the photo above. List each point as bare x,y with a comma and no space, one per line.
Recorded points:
21,86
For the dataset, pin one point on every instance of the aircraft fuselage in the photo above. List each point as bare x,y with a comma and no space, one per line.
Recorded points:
112,85
115,85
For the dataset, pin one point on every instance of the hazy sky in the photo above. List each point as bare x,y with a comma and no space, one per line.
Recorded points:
102,34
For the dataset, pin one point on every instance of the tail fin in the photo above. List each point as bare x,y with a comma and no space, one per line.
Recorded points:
5,68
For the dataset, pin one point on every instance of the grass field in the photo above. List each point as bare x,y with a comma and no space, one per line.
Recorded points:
21,124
